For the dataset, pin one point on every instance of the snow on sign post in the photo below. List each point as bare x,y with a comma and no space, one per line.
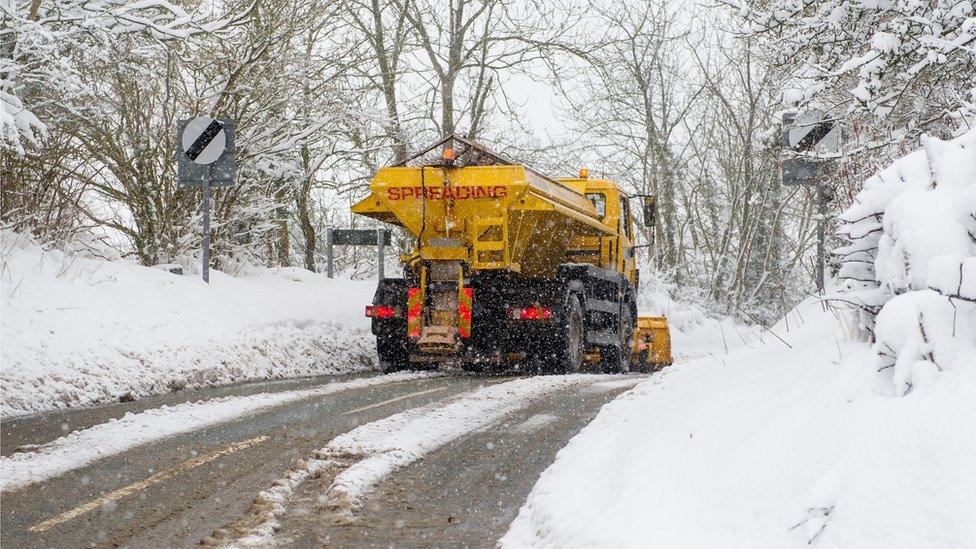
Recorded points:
808,136
205,160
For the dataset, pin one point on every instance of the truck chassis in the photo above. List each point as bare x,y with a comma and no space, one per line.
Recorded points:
585,315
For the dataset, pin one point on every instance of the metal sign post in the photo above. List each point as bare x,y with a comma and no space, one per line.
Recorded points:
380,247
821,235
329,258
804,133
205,160
380,238
206,229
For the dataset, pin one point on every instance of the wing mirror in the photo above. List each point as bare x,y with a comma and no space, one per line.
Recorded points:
649,211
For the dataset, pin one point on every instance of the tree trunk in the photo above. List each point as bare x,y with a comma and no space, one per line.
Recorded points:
284,253
388,78
305,222
447,105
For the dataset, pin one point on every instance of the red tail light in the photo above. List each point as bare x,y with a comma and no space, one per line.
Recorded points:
380,311
530,313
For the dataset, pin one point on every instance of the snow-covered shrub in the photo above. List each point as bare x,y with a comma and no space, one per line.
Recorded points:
910,263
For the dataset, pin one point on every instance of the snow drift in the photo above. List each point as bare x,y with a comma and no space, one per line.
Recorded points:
695,332
767,447
78,331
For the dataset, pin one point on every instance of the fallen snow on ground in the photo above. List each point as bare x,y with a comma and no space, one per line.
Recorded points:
84,447
537,422
768,447
695,333
77,331
398,440
369,453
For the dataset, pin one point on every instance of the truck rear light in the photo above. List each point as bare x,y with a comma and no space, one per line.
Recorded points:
465,305
530,313
380,311
415,302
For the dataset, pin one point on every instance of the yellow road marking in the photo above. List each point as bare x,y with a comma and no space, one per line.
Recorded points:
143,484
394,399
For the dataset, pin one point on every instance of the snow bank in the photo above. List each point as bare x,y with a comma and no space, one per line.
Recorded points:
695,333
77,331
816,439
84,447
910,265
768,447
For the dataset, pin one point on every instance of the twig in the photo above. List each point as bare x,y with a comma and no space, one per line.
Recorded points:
758,323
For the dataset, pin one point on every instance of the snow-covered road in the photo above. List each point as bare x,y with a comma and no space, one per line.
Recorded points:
231,467
81,448
781,444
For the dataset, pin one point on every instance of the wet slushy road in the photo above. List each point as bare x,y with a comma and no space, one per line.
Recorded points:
179,490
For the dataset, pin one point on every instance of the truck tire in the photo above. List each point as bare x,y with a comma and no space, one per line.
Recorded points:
569,343
617,359
393,355
641,365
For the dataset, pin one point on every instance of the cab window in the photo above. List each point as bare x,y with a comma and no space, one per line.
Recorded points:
599,201
625,217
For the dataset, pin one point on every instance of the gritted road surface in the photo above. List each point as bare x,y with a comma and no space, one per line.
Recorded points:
179,490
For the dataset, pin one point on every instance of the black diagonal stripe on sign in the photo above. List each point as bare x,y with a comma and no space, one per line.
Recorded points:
816,134
204,139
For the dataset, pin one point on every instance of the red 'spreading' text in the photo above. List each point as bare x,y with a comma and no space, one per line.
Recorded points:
446,193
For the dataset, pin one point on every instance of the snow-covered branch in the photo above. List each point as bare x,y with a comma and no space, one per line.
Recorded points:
42,40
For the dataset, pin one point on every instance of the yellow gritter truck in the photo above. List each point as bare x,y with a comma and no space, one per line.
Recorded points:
509,268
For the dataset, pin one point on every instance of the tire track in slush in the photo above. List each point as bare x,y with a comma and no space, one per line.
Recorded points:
196,497
136,487
359,459
464,494
82,448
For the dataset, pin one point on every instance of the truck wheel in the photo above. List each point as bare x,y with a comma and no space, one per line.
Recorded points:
569,346
393,355
627,342
641,364
617,359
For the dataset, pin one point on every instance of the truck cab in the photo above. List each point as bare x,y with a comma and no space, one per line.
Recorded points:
613,206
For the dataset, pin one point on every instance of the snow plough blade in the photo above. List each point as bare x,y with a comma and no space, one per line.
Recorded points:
652,344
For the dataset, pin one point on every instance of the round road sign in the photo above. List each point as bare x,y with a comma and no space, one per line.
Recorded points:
203,140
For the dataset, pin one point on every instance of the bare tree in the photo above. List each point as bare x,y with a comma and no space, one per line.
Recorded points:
469,45
634,108
285,86
385,32
684,111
